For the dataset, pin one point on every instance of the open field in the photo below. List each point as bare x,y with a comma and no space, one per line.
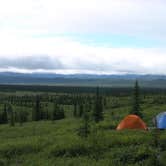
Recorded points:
56,142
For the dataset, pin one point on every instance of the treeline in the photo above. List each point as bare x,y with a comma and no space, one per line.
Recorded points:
11,116
97,114
29,100
88,106
114,91
41,109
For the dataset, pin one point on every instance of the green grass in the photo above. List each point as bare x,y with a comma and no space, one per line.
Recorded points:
48,143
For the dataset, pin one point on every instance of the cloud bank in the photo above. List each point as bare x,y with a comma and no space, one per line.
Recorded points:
34,36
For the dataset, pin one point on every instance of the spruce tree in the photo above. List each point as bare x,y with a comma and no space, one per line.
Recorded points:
81,109
61,113
12,118
21,118
75,108
98,107
36,113
4,117
84,129
136,109
57,113
54,112
47,114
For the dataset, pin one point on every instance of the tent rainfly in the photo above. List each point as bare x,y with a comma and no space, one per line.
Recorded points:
160,120
132,122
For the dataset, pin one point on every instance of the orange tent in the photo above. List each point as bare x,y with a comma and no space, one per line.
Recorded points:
132,122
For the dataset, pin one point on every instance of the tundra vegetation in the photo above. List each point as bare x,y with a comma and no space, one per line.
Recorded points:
76,126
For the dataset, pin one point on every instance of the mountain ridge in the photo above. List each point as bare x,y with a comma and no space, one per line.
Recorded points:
114,80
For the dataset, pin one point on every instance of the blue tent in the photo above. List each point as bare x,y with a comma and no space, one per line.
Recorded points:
161,120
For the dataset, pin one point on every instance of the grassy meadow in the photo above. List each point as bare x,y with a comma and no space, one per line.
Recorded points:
57,142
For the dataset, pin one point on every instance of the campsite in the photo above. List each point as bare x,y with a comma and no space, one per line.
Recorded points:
82,82
75,138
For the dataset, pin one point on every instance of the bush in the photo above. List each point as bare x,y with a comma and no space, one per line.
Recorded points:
13,149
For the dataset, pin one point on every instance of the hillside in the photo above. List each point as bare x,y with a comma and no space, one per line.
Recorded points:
48,143
83,79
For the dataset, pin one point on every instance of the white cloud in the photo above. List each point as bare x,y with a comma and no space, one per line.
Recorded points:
63,54
106,16
20,20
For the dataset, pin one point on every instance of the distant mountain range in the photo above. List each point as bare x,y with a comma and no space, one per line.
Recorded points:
126,80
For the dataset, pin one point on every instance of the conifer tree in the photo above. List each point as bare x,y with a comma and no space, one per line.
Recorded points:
75,108
21,118
47,114
81,109
84,129
36,113
4,117
136,109
89,104
61,113
12,118
105,101
54,112
58,112
98,107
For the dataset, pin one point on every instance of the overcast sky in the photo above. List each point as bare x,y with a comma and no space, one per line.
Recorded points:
83,36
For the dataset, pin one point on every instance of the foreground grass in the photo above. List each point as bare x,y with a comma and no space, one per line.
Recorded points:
47,143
